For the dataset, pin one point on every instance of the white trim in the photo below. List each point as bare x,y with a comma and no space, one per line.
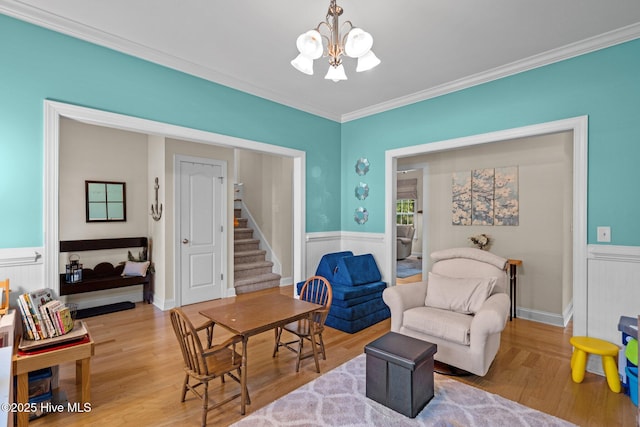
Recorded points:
78,30
614,253
540,316
333,236
567,314
34,15
323,236
368,237
53,111
592,44
579,127
11,257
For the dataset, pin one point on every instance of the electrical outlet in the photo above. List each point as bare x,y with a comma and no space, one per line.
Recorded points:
604,234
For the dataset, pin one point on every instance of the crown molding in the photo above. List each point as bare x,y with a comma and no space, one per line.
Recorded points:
42,18
572,50
81,31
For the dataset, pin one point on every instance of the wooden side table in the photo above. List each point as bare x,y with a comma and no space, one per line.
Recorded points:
513,273
23,364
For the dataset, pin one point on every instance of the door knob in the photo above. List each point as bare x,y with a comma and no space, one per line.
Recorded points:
185,241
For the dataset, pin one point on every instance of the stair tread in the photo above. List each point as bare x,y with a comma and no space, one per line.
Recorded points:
246,240
257,279
243,229
250,265
249,253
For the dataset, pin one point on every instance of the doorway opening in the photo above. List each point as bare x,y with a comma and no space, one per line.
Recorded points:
54,111
579,128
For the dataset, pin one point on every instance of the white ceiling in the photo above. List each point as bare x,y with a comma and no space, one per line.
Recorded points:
427,47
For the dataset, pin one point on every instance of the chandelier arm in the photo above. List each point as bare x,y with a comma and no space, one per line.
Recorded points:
345,34
323,24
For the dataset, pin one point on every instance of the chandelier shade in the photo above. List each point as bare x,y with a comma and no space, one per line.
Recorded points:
310,44
367,61
336,73
303,63
359,43
332,40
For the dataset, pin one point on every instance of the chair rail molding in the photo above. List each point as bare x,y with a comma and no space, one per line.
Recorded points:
614,253
12,257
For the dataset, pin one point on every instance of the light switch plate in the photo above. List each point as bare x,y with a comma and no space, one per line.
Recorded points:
604,234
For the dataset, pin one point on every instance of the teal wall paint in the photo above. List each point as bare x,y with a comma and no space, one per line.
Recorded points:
38,64
605,85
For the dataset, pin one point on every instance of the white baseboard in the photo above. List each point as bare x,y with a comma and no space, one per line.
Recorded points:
540,316
164,305
286,281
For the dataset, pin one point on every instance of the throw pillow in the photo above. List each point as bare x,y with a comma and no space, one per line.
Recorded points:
463,295
133,268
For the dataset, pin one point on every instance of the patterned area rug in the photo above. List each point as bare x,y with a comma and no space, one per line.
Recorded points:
337,398
408,267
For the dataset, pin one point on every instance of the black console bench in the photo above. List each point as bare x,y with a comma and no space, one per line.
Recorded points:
104,275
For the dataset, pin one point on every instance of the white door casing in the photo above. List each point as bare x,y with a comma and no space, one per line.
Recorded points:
54,111
200,216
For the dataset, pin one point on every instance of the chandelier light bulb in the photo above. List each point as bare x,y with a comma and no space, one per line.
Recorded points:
367,61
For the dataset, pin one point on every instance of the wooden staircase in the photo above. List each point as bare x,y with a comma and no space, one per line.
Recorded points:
252,272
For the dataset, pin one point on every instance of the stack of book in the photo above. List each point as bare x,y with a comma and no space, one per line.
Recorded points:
43,316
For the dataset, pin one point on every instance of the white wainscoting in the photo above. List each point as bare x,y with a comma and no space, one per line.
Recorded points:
613,290
319,244
24,268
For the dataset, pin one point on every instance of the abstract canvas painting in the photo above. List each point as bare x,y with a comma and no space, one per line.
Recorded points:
485,197
461,200
506,206
482,196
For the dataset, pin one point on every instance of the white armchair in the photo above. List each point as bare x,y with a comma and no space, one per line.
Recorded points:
404,237
462,307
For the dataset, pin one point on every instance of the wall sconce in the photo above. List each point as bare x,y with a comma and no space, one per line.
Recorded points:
156,213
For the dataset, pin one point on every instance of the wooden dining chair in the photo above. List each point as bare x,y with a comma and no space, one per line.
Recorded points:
317,290
204,364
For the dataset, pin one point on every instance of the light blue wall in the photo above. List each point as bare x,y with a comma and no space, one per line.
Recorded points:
605,85
38,64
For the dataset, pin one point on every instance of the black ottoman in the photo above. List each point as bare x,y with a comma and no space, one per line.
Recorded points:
400,372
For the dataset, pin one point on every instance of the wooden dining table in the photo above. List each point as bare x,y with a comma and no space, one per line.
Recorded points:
256,314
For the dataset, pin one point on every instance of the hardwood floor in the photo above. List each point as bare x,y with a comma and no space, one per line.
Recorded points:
136,374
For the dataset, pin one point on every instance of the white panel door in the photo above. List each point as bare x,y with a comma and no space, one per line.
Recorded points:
200,231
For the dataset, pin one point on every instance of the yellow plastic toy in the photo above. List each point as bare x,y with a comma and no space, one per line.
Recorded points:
608,352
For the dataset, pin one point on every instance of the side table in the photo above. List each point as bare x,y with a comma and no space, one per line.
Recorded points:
513,273
24,363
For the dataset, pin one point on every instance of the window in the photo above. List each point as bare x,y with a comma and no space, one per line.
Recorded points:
405,211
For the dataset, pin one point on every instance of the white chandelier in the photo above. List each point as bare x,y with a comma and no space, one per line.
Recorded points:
355,43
